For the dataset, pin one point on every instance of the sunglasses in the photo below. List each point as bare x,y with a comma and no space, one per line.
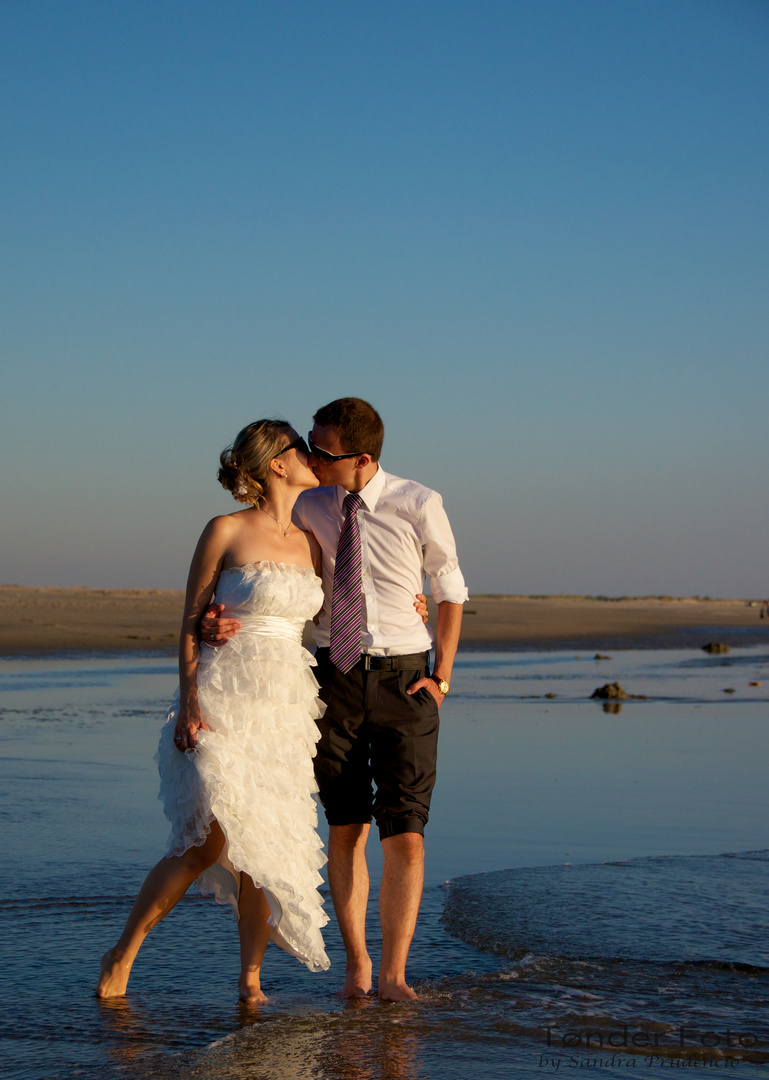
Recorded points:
325,457
297,444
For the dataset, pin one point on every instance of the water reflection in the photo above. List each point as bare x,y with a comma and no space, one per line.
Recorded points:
366,1041
612,707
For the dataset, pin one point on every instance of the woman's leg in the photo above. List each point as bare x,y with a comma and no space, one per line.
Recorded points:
254,933
162,890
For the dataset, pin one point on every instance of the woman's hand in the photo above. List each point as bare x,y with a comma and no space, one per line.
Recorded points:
188,723
421,605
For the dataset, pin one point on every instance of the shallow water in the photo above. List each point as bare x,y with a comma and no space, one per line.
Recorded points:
553,946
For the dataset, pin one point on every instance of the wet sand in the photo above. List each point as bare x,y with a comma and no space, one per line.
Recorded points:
47,620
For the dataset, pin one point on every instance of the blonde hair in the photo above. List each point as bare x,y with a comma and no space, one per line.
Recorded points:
245,466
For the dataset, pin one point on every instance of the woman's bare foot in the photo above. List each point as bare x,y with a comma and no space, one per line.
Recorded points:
357,984
395,991
115,970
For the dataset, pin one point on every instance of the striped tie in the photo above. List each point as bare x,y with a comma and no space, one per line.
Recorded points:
347,597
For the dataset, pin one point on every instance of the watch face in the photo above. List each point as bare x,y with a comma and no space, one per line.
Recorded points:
442,685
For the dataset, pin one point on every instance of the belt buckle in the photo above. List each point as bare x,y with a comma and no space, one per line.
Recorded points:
377,663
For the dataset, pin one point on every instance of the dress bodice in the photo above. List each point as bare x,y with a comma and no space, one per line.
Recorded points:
269,588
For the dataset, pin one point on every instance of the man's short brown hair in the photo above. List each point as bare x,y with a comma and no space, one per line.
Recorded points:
360,426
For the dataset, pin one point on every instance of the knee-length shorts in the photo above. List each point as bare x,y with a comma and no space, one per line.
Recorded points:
377,752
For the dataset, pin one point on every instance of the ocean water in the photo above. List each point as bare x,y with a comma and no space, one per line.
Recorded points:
596,893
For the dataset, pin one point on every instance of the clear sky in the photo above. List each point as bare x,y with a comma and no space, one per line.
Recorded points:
533,234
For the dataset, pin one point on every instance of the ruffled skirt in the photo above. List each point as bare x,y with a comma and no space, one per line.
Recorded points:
252,773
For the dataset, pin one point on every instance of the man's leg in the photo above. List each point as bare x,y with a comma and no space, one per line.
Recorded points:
399,897
404,743
344,779
349,883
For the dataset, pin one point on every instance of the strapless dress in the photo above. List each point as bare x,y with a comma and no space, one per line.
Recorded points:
252,771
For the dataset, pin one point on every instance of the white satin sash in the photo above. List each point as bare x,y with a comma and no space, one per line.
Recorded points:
272,626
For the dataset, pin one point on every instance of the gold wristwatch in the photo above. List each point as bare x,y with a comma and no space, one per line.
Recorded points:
442,685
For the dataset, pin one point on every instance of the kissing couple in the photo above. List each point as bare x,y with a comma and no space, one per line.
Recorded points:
326,535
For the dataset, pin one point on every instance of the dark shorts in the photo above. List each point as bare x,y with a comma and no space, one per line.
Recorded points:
375,735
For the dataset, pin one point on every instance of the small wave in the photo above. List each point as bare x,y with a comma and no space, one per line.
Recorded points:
706,909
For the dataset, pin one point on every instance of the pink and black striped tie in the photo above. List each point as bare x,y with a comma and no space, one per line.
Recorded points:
347,597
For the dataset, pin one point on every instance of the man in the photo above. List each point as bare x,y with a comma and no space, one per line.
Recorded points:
379,535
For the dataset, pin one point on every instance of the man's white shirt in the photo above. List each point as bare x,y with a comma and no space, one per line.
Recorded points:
405,536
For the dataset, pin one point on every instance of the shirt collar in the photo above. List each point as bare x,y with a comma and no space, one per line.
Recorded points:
370,493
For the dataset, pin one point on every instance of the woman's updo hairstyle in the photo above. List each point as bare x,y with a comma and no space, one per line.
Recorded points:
245,466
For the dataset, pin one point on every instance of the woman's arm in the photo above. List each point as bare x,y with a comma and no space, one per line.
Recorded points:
317,563
315,553
204,573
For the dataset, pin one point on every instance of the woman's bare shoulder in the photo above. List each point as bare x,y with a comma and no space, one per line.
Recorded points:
229,524
223,531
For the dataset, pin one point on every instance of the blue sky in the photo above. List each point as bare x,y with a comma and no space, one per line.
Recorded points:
533,234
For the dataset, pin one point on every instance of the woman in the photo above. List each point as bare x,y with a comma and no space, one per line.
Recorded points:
235,756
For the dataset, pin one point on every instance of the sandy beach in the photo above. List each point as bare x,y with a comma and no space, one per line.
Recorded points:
48,620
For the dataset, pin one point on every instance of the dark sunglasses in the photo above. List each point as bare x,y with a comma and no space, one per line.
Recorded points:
323,455
297,444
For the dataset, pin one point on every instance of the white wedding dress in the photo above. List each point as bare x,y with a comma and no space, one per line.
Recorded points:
252,772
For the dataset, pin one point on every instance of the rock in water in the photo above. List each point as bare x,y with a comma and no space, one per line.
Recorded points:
715,647
610,690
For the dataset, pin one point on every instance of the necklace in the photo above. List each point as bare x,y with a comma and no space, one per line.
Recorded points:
285,531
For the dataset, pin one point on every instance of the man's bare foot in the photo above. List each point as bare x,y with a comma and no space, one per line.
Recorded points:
256,997
251,992
395,991
113,980
367,1002
358,982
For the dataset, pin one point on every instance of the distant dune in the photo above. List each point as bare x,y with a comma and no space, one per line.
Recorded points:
36,621
547,622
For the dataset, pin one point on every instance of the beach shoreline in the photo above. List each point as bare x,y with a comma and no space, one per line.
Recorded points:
49,620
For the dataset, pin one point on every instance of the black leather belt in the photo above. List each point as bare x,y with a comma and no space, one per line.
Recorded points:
411,662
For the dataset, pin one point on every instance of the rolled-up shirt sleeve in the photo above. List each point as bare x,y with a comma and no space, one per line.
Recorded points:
439,554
